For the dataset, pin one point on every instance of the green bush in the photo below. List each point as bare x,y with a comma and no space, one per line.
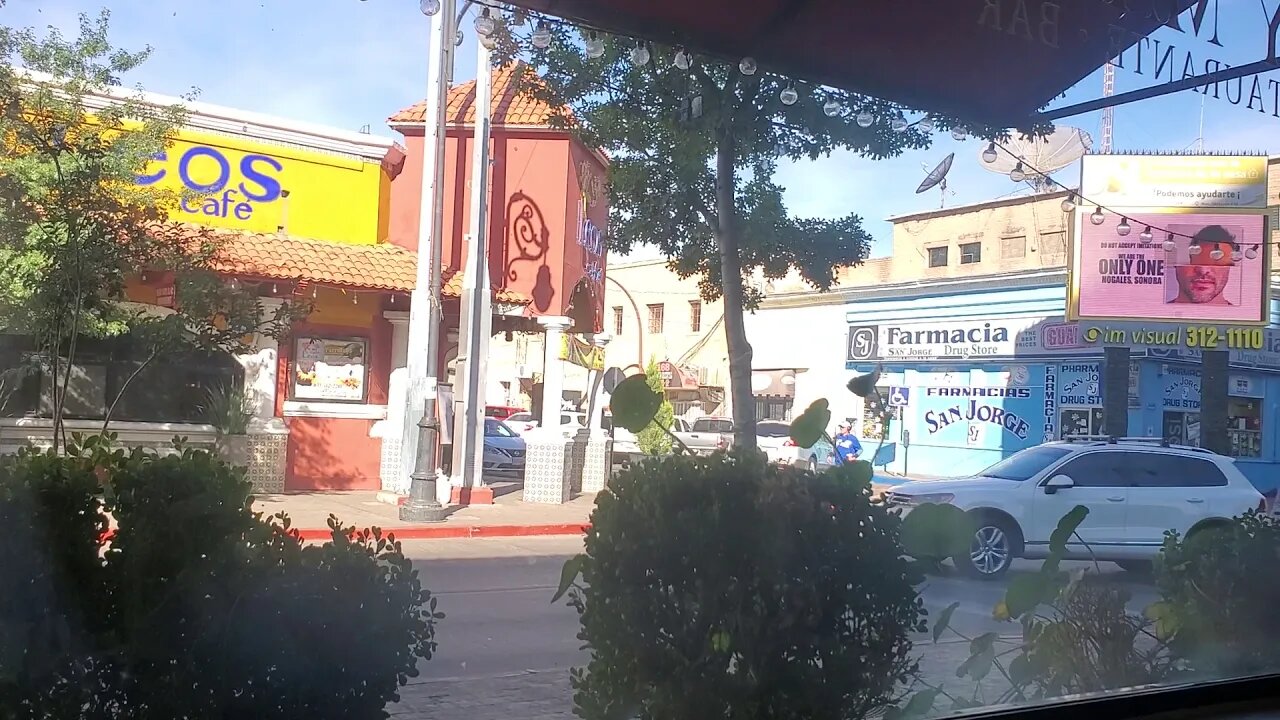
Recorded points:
726,586
655,438
1219,598
197,607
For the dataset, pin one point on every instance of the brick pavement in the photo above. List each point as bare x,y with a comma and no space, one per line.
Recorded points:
547,695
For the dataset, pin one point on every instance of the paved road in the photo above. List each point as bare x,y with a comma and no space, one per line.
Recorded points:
505,649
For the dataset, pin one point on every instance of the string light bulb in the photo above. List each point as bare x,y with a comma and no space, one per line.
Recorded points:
831,108
541,37
1194,248
1236,256
355,298
789,96
429,7
457,38
1169,244
594,45
484,24
1217,254
1097,218
639,54
1017,174
683,60
989,155
1123,228
1251,253
747,66
926,124
865,119
1069,203
960,133
898,124
1146,236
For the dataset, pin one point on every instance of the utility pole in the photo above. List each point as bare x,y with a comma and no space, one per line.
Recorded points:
477,314
421,426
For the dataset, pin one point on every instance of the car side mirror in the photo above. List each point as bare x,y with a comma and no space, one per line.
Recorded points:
1058,482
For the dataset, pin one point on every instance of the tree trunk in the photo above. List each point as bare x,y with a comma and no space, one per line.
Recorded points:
735,331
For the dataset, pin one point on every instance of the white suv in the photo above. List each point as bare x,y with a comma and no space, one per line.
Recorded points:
1135,491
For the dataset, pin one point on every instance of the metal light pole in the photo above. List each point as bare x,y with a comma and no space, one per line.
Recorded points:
419,440
477,313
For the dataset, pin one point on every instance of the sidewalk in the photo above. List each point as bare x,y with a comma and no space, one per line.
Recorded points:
508,516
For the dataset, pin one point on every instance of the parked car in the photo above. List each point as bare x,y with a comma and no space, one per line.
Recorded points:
1135,490
504,450
708,434
501,412
626,448
524,421
774,438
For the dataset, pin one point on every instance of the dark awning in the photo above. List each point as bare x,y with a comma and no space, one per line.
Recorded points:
989,61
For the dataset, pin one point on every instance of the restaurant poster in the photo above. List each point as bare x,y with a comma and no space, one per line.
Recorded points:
330,369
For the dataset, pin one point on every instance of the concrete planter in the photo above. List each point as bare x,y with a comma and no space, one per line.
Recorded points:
234,450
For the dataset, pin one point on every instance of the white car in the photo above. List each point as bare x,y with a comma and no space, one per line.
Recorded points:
626,448
523,422
1135,489
774,438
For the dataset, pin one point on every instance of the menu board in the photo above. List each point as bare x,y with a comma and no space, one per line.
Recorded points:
330,369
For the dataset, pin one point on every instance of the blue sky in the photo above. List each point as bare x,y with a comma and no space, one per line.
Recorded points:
351,63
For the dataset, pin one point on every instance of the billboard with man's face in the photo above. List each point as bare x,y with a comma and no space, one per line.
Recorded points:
1197,268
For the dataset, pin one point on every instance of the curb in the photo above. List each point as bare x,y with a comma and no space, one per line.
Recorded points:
432,532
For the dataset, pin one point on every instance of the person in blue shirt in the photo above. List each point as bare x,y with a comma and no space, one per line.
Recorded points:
847,447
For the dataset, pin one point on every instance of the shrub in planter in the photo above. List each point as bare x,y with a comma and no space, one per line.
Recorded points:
204,609
1219,596
727,586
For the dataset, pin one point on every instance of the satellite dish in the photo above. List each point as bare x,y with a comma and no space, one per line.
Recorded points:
1048,154
938,175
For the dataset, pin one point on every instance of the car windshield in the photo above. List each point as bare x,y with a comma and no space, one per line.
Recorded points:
266,264
497,428
1025,464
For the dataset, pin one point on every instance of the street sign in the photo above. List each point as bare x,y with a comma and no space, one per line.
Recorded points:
899,396
612,377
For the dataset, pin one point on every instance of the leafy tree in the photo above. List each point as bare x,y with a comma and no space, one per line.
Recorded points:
655,439
693,155
75,227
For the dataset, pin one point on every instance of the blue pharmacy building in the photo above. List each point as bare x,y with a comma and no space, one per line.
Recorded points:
980,368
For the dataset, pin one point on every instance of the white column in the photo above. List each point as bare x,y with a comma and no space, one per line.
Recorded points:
552,371
596,383
477,313
391,466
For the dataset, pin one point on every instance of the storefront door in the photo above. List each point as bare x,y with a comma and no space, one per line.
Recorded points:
1182,428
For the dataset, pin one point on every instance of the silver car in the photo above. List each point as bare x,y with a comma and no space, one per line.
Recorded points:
504,450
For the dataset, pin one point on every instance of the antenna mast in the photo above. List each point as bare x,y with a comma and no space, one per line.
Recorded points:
1108,120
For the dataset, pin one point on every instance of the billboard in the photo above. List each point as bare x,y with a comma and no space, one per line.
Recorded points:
1165,181
1212,270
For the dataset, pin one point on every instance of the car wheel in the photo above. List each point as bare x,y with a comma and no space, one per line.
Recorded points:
1137,567
991,550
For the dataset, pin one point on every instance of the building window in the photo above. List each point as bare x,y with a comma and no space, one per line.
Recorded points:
1013,248
695,316
617,320
970,253
773,408
1053,248
655,318
938,256
330,369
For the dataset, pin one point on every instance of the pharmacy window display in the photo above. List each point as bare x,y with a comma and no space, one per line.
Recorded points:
1244,426
330,369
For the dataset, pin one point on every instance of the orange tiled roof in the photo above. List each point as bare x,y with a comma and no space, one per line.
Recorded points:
513,104
278,256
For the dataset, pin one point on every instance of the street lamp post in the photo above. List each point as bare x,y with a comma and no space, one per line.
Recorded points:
420,441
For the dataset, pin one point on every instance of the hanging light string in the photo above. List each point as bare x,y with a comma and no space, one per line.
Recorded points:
486,27
1023,169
